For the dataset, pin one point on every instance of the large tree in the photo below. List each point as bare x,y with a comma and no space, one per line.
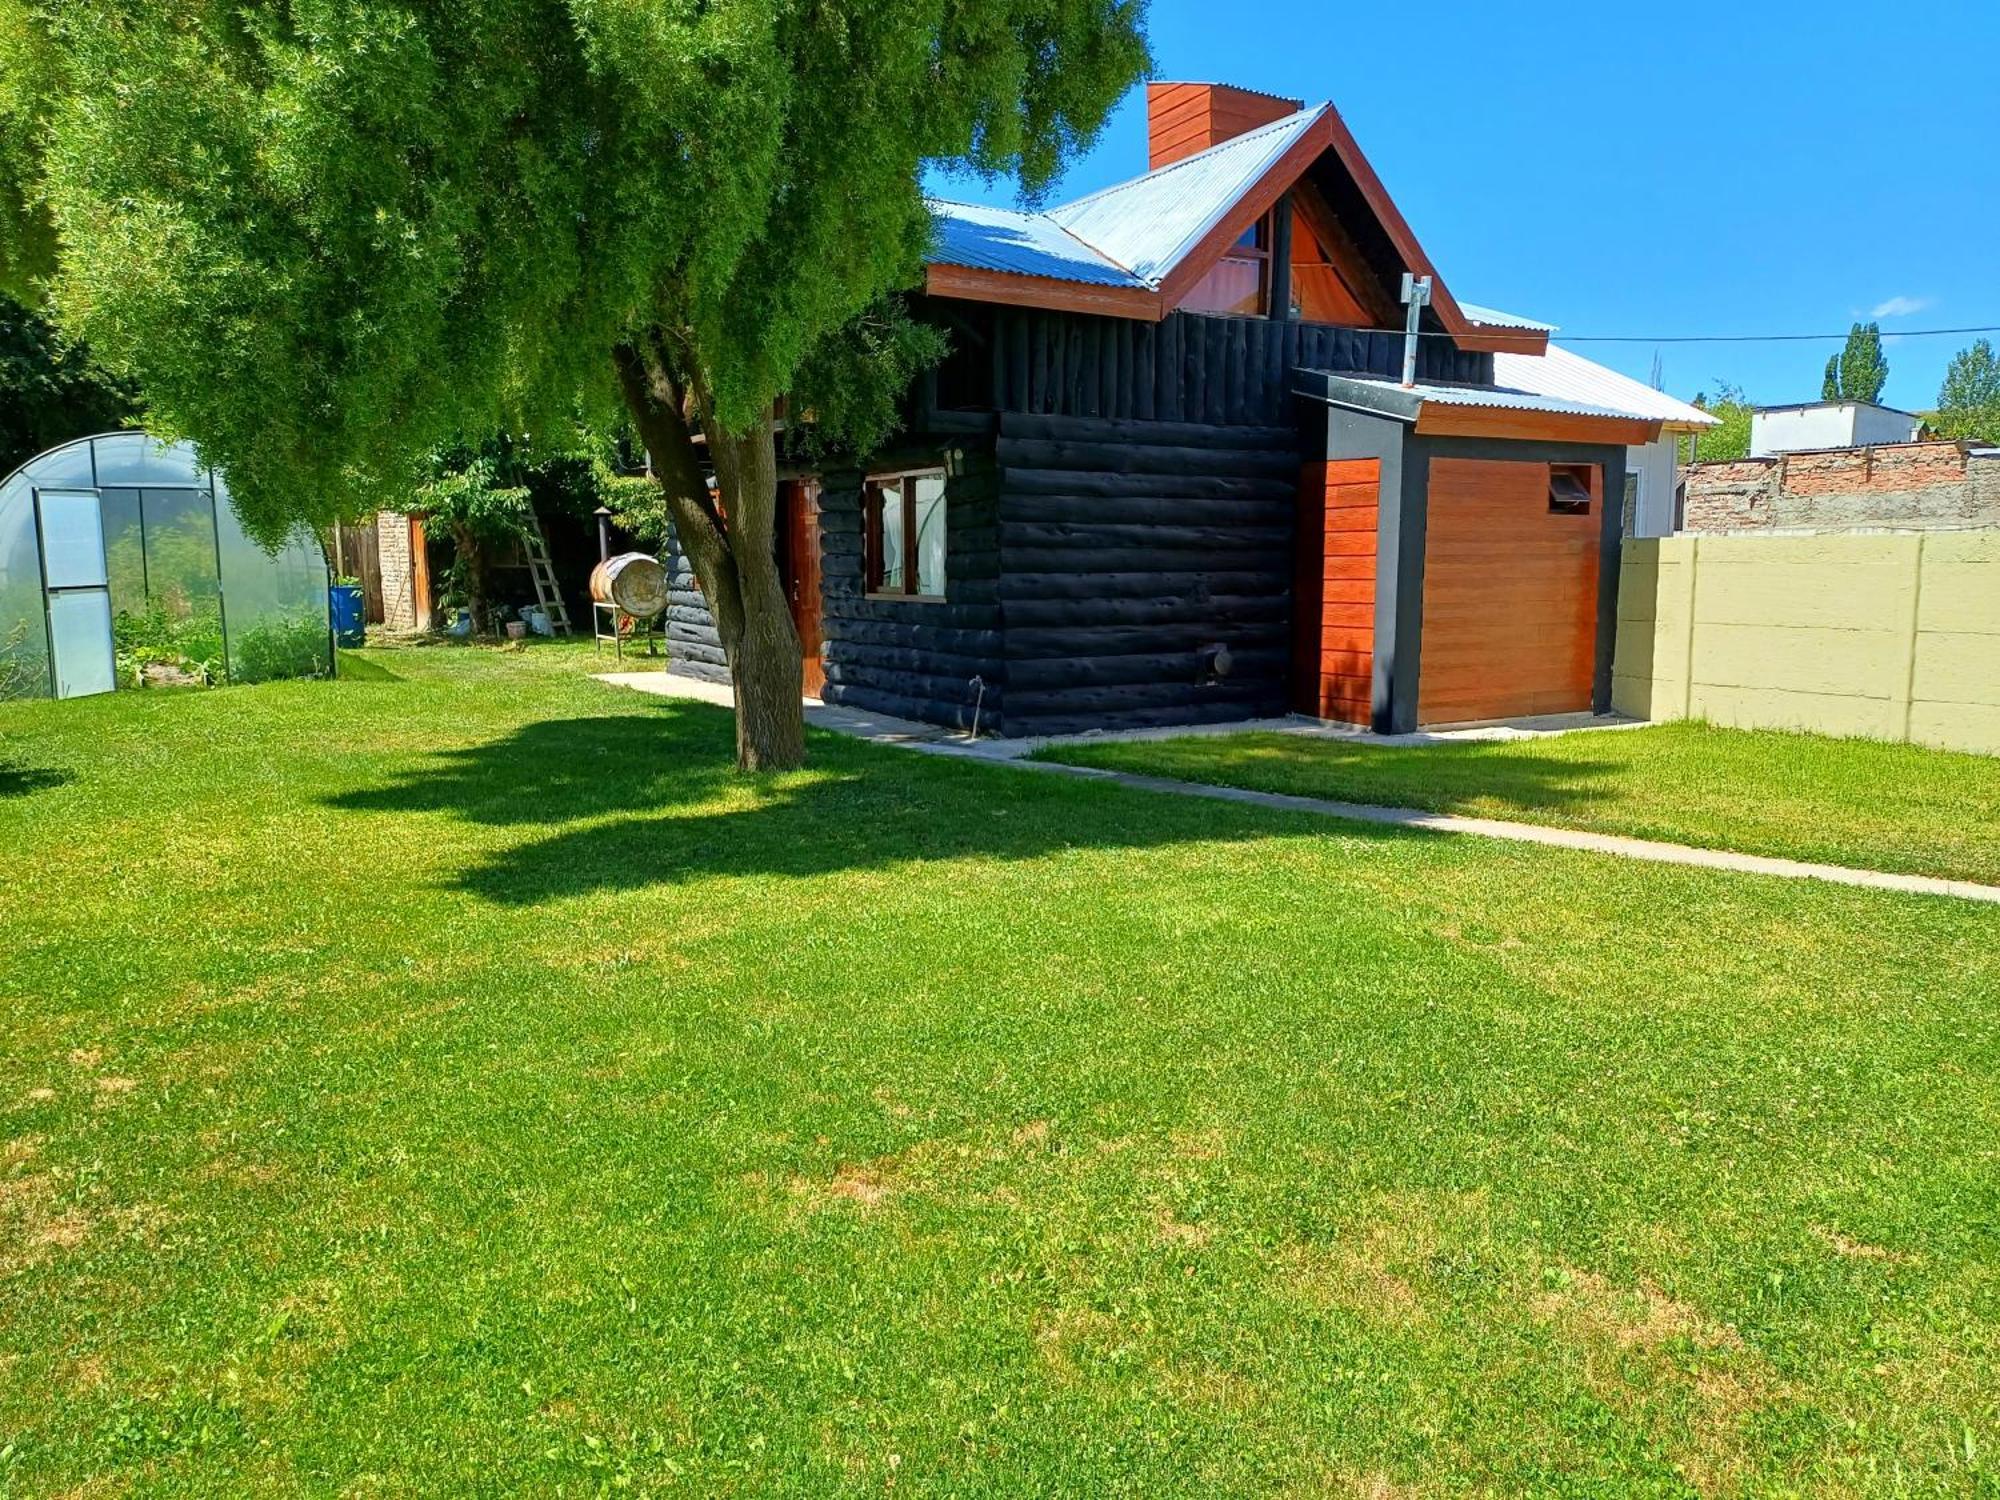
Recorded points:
1969,399
329,236
50,390
1859,371
1730,437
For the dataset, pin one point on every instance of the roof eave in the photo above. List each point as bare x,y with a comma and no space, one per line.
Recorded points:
1445,419
1017,289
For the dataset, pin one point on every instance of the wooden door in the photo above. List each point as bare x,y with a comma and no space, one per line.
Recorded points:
800,561
1510,594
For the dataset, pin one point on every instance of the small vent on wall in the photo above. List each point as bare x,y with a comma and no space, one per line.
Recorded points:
1569,490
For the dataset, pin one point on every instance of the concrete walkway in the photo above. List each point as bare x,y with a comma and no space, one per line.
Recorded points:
882,729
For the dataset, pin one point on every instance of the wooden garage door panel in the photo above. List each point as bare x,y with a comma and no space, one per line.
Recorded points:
1510,595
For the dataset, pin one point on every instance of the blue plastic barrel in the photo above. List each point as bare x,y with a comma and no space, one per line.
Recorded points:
349,623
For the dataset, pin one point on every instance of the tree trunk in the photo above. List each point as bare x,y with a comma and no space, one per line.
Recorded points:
473,558
733,549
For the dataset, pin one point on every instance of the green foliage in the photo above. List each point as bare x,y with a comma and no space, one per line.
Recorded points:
159,636
24,662
638,507
1859,371
1731,439
30,78
330,236
294,644
849,384
50,389
1969,400
467,491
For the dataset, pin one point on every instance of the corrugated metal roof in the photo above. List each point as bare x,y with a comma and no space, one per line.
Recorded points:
1492,317
1560,373
1147,224
1393,399
1028,244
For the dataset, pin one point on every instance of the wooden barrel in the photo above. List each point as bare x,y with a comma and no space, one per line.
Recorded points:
634,582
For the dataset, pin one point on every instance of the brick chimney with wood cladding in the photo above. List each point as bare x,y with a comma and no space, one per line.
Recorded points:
1183,118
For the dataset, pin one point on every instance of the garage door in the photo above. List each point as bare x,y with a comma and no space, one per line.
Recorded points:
1510,590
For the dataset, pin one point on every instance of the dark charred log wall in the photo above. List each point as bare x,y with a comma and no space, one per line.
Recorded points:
1131,551
917,660
1192,367
694,649
1133,513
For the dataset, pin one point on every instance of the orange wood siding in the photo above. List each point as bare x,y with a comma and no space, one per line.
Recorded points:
1331,280
1333,651
1439,420
1510,595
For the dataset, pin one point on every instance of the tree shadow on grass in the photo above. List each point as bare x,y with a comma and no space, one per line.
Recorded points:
654,799
25,781
558,770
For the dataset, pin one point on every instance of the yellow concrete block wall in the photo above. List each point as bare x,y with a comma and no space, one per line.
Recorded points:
1890,635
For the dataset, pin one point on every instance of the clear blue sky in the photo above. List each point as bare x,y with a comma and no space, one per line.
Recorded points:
1769,167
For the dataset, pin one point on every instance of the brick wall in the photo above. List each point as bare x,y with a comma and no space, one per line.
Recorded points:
392,545
1905,487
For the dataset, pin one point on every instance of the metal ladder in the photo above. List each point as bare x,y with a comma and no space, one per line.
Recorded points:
548,597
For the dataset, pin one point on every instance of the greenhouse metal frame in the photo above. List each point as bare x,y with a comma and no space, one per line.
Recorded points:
121,555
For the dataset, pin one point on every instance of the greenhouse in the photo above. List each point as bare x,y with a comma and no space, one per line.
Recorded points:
122,564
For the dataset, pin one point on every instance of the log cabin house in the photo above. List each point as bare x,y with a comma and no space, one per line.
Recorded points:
1171,471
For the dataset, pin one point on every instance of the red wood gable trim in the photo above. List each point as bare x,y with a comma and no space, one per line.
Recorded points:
1251,207
1512,340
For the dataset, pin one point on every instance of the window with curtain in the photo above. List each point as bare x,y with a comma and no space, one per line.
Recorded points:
1241,281
904,516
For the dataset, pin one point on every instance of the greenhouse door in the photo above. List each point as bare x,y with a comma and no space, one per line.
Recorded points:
76,592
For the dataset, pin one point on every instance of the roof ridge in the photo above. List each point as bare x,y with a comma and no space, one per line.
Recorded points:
1196,156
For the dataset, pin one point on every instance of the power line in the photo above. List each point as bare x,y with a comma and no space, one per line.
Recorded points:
1504,333
1758,338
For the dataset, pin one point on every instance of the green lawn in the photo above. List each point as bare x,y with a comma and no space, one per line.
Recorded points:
1864,803
456,1081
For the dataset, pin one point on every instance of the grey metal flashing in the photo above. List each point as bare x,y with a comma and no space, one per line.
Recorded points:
1610,537
1375,397
1361,435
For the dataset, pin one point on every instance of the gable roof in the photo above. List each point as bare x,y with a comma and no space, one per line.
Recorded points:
1559,373
1167,228
1147,224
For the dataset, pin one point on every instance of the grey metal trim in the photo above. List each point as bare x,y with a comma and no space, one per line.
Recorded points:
1354,434
1610,539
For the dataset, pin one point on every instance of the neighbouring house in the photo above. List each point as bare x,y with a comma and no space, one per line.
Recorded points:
1894,487
1171,470
1813,425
